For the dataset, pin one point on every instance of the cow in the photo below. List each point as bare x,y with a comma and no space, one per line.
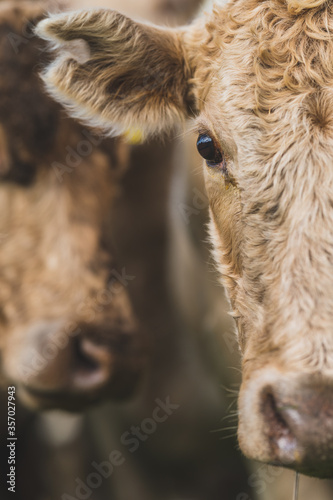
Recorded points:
69,335
257,76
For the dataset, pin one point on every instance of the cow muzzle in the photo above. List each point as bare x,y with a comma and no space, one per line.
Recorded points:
287,420
71,370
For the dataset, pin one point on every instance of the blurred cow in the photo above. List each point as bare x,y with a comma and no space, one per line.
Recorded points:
67,328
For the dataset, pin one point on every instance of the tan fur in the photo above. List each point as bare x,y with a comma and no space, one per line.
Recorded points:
298,5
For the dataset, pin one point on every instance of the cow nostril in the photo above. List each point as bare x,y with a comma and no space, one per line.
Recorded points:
273,416
84,360
281,438
92,364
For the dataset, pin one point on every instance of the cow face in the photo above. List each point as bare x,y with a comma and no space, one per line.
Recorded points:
258,76
68,334
266,134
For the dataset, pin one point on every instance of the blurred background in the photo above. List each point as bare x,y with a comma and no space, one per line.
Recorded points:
114,330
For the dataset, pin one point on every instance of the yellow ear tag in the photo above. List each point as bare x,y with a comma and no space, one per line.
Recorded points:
134,136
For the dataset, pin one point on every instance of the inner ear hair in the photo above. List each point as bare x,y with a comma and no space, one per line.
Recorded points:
137,75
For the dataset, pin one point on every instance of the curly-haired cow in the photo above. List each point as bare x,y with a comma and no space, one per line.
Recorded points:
258,75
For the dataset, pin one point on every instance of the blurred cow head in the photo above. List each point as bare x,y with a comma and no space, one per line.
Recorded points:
68,334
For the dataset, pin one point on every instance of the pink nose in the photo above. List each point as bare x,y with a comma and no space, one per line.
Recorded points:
298,422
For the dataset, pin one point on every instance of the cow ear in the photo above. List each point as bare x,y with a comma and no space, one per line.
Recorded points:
136,75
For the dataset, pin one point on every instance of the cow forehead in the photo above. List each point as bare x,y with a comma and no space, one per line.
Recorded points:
267,70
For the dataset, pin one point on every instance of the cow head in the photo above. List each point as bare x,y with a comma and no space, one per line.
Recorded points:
68,333
258,76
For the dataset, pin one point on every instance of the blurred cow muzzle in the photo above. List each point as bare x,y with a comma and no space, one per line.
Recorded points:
71,366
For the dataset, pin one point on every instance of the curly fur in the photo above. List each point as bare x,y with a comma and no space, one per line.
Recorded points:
297,6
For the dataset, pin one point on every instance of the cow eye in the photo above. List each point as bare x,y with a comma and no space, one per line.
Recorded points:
208,150
215,157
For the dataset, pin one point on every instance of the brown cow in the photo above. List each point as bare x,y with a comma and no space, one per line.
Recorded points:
259,76
68,331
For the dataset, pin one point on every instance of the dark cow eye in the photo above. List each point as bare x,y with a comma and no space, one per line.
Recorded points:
208,150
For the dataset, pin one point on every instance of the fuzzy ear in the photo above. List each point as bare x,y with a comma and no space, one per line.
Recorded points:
136,75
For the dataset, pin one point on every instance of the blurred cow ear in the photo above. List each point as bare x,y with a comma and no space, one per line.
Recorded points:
135,76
